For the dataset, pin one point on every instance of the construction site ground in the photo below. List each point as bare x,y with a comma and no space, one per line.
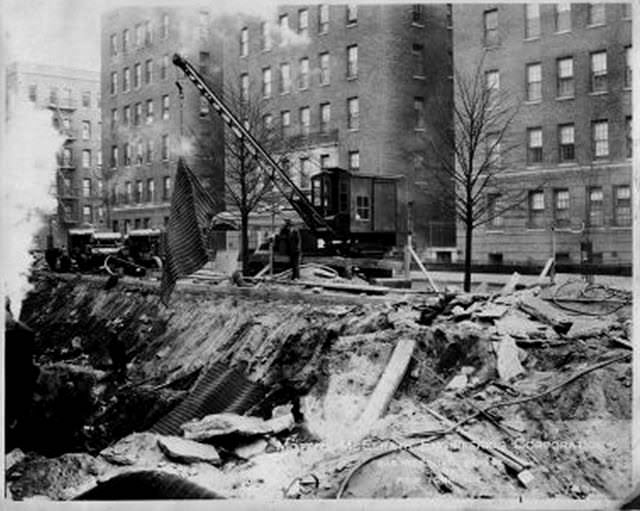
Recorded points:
558,384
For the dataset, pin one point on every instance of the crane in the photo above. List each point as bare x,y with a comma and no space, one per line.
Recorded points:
283,182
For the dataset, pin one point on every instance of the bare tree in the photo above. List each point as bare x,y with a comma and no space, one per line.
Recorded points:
247,183
466,155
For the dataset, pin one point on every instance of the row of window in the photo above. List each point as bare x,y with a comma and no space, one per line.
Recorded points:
566,142
66,127
144,152
67,98
595,211
87,213
142,74
565,83
596,16
66,188
138,223
133,115
266,43
66,158
145,191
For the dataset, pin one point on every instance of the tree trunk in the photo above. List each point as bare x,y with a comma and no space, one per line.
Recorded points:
244,243
468,236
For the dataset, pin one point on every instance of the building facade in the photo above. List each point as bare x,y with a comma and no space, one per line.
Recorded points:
73,96
350,86
569,66
152,114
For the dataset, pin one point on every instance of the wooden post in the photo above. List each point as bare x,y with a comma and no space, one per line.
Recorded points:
407,258
423,269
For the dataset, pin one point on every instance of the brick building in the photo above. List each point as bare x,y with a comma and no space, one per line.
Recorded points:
569,65
144,115
350,86
73,96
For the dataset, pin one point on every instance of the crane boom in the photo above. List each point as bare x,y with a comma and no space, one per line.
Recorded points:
312,218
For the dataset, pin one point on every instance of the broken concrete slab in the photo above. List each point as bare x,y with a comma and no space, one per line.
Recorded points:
222,424
518,324
508,361
545,312
458,382
134,449
188,451
510,286
252,449
584,327
490,311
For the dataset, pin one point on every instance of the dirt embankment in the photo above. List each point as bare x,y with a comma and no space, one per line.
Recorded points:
330,354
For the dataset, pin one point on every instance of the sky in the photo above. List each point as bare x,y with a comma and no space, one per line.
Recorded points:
67,32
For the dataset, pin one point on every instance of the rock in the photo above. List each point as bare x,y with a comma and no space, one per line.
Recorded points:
188,451
135,449
457,382
281,410
526,478
253,449
508,364
221,424
491,311
13,458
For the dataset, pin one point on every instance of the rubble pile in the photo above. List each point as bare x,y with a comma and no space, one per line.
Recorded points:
521,394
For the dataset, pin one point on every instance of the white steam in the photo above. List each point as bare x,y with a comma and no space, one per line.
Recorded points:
290,37
26,185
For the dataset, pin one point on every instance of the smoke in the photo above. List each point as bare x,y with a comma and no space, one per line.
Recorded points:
290,37
26,185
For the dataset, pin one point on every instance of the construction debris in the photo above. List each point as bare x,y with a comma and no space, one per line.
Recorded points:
223,424
508,362
188,451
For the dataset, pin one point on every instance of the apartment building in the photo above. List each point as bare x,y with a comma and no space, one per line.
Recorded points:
73,97
569,66
350,86
152,114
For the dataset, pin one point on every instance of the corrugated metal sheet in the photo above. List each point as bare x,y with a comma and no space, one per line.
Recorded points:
221,389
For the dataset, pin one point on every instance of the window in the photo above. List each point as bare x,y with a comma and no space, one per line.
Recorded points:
284,27
149,151
266,82
491,27
354,160
113,45
126,79
325,117
139,191
164,66
33,93
626,11
305,120
66,123
303,22
86,158
561,202
418,110
86,130
86,99
165,106
99,159
139,35
600,139
148,71
244,87
534,82
493,149
493,214
492,84
151,190
114,82
285,122
563,17
323,18
629,137
267,121
352,14
137,114
139,152
622,206
417,14
352,61
304,172
165,148
244,42
362,207
86,188
149,111
596,14
566,143
417,52
204,58
627,68
532,21
285,78
353,114
87,215
203,19
304,73
114,156
164,31
126,115
166,188
324,161
449,16
100,187
599,71
125,40
127,153
265,36
534,145
536,209
596,213
565,77
137,76
325,70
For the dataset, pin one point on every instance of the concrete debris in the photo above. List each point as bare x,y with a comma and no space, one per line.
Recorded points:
546,312
222,424
508,362
458,382
188,451
510,286
589,327
13,458
135,449
490,312
252,449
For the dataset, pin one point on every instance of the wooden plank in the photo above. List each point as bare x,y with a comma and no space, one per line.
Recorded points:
423,269
350,288
387,385
510,286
